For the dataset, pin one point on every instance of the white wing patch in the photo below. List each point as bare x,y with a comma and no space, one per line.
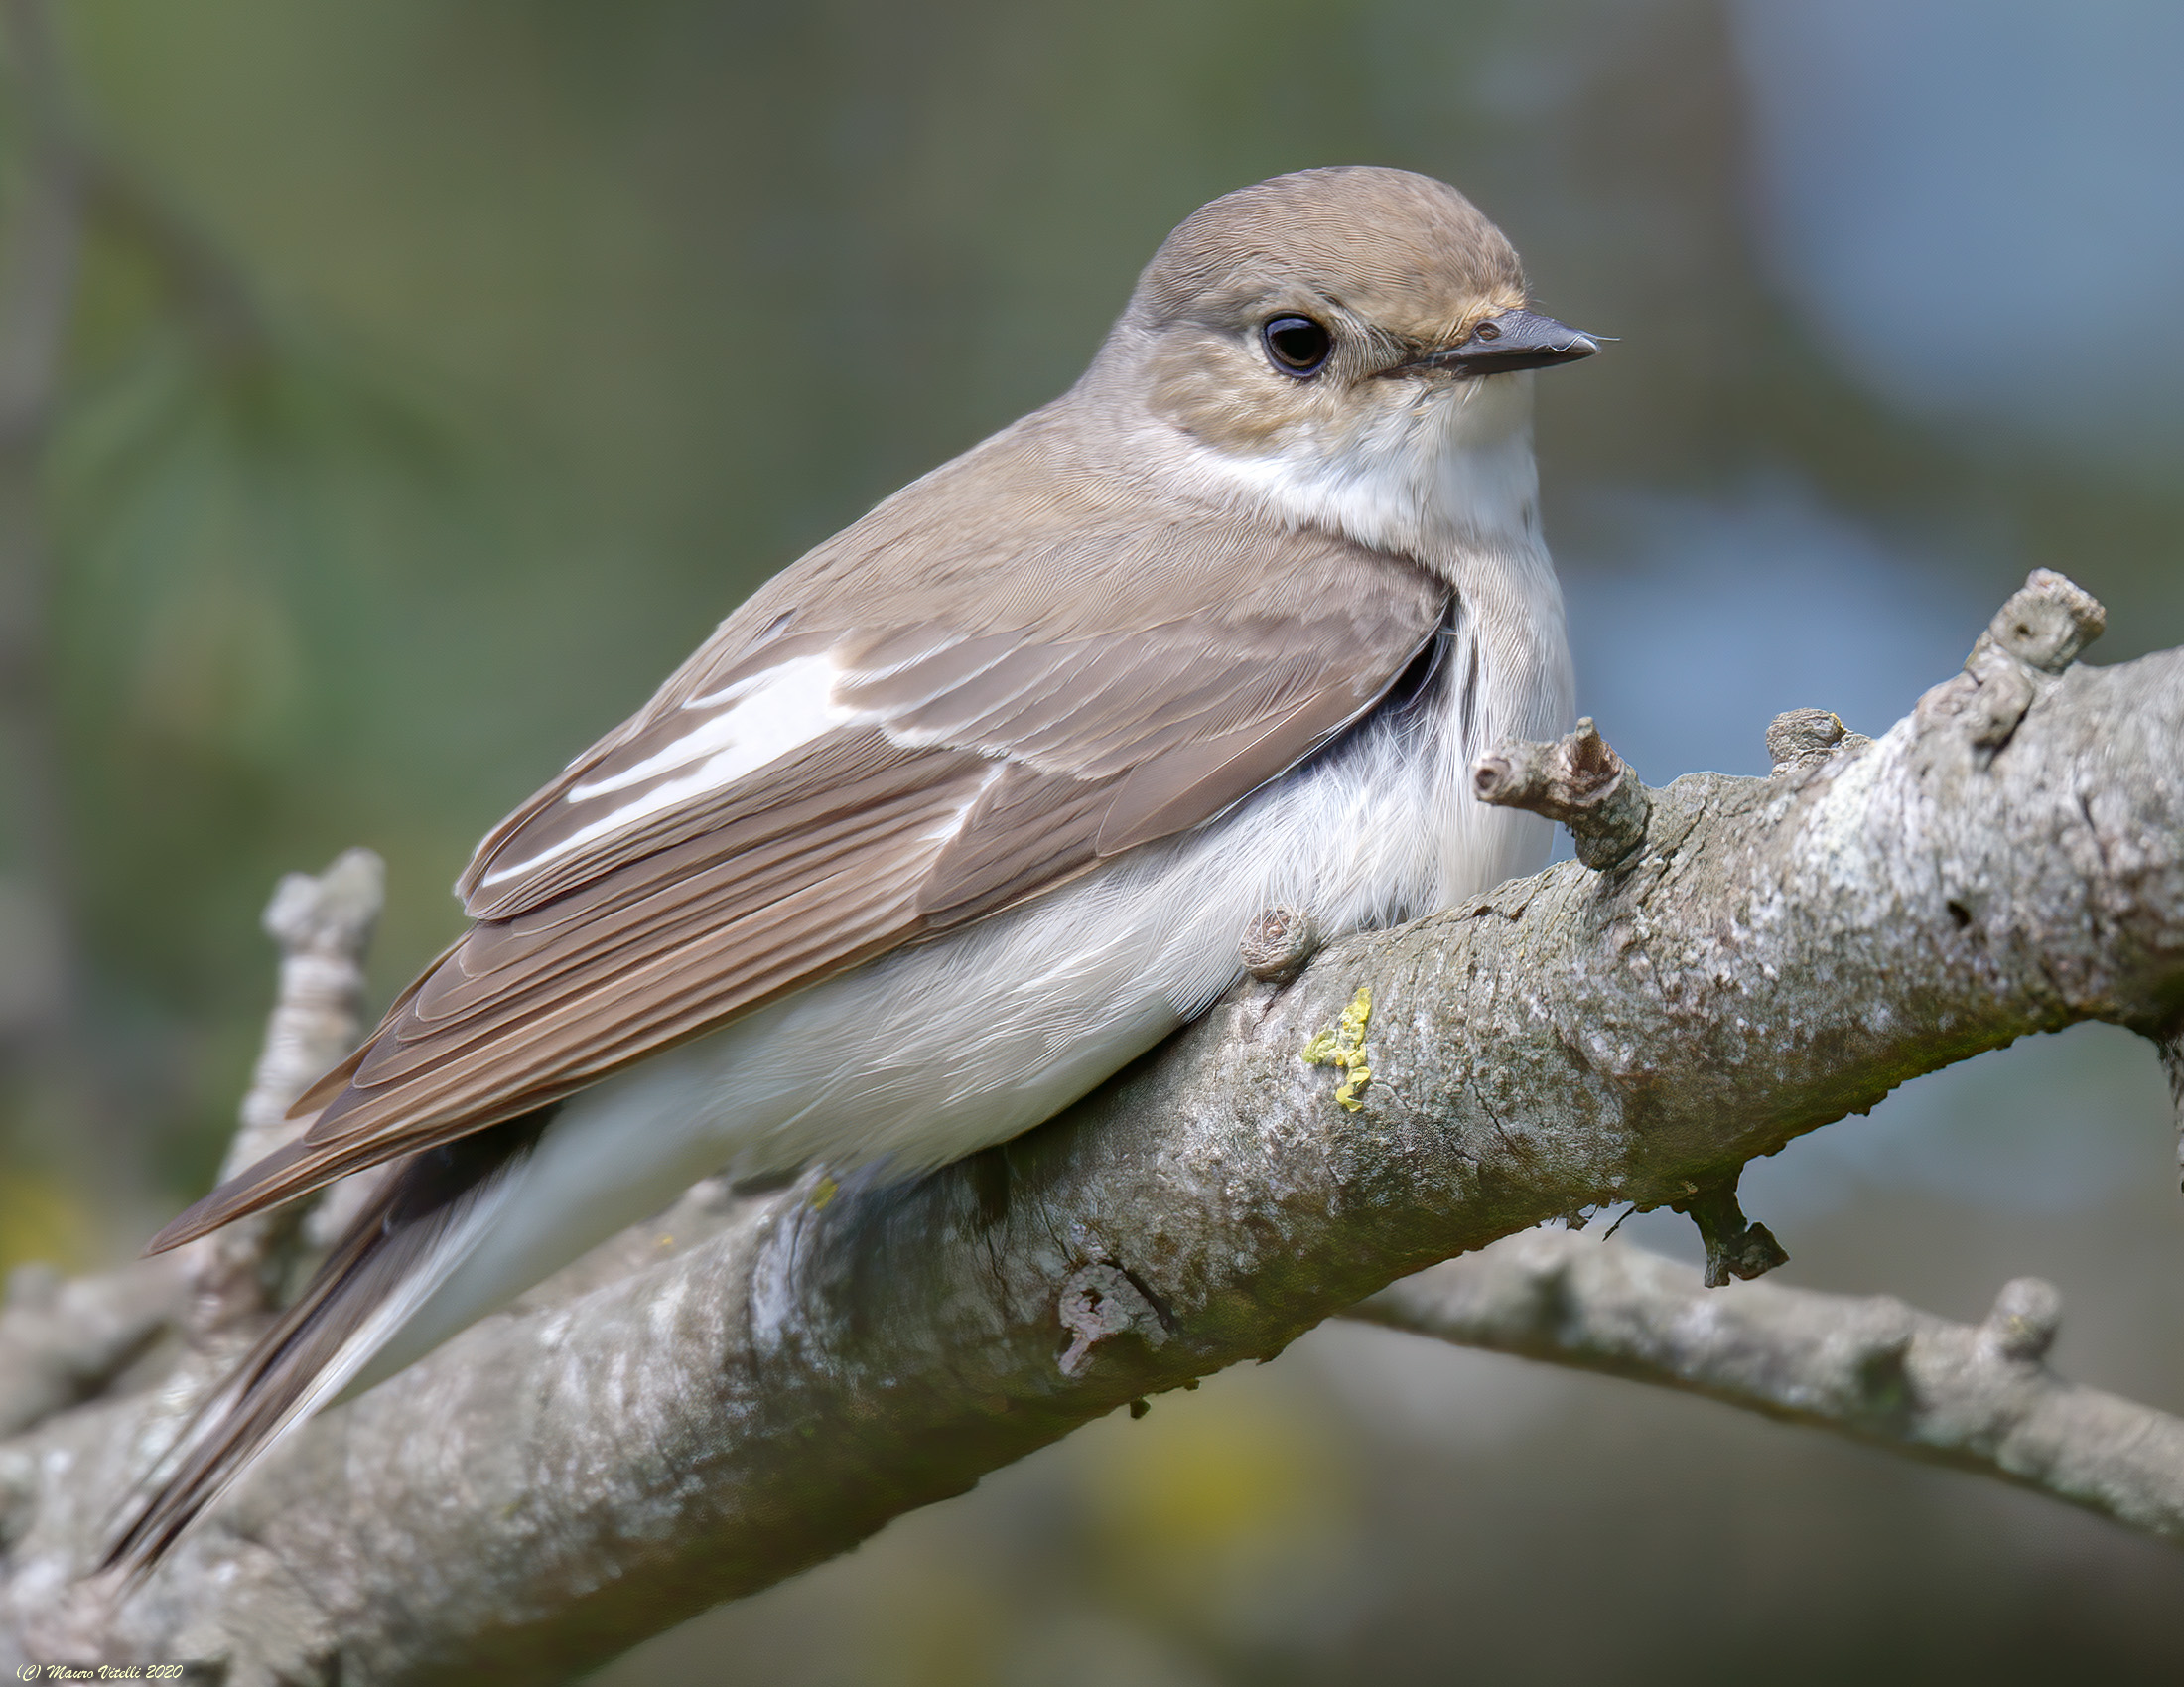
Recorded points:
769,715
754,722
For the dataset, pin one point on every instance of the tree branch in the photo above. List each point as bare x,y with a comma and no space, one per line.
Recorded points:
65,1342
1771,955
322,926
1979,1398
61,1342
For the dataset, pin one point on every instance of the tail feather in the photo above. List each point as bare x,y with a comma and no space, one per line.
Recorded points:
401,1248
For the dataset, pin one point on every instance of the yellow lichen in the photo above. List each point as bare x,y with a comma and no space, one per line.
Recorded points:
1343,1047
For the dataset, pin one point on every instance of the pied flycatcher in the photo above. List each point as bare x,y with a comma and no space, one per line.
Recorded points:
972,805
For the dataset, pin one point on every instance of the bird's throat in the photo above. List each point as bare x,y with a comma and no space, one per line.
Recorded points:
1447,476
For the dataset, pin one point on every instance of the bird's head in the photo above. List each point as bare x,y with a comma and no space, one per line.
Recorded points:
1354,327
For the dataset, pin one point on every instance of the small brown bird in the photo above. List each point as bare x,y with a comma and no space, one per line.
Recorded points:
971,806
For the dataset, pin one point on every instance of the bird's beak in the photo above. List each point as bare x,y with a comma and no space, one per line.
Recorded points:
1514,340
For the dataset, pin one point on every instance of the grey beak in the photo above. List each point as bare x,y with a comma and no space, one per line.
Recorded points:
1514,340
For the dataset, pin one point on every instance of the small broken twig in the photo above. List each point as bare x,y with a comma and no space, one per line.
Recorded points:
1578,780
2034,637
2045,624
63,1341
1735,1247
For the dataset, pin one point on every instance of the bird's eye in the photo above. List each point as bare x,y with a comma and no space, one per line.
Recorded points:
1298,344
1486,331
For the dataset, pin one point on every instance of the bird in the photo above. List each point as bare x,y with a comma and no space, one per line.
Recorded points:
972,805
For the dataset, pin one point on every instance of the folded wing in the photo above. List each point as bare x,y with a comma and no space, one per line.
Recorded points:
838,772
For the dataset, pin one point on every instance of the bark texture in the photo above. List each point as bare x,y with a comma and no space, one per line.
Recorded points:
1979,1397
760,1383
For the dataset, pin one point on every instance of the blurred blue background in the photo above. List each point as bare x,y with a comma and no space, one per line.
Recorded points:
427,379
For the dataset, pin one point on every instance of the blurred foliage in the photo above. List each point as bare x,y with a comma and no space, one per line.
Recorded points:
42,1218
437,374
1220,1523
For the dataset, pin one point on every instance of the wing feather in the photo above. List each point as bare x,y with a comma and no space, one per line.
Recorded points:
847,768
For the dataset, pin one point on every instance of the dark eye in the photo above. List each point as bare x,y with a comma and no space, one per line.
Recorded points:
1298,344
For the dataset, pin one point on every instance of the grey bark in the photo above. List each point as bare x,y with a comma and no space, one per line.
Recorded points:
1979,1397
793,1368
322,926
62,1343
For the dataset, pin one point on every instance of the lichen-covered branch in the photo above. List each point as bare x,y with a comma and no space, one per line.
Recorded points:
1979,1397
1767,957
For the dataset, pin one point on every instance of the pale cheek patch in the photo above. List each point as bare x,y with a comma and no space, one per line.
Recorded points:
734,734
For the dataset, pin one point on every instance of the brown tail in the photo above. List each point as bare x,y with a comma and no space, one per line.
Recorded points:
398,1251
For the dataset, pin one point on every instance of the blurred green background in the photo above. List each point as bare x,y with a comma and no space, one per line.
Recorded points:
426,379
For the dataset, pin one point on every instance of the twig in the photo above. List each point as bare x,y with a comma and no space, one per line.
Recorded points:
1979,1397
1581,782
322,925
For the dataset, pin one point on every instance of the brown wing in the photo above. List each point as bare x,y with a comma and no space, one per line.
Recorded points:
819,787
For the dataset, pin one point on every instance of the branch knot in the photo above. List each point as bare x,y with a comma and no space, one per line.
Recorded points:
2022,1326
1804,738
1099,1300
1279,943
